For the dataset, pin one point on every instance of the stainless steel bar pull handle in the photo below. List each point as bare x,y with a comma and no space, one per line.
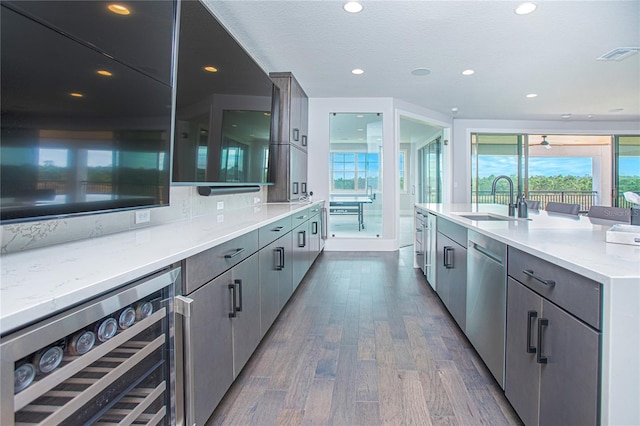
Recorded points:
448,257
530,273
530,316
234,254
314,228
542,322
183,307
302,242
234,300
277,229
239,284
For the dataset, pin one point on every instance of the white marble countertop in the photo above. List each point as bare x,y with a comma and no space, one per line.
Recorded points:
40,282
575,243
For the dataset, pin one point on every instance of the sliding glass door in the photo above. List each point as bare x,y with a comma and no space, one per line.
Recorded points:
626,168
582,169
494,155
430,172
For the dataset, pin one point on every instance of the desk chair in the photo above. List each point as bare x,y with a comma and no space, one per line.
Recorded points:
532,205
563,208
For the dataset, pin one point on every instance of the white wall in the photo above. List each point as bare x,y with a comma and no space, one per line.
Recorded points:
460,177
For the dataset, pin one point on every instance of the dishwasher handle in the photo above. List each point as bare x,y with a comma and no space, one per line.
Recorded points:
483,251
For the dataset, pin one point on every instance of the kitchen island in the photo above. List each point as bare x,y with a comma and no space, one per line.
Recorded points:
578,244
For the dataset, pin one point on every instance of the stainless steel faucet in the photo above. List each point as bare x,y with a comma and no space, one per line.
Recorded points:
512,205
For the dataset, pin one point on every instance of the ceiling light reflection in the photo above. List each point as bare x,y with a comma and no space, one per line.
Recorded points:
525,8
119,9
352,7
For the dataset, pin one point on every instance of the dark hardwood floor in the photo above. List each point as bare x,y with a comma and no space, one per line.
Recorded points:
364,341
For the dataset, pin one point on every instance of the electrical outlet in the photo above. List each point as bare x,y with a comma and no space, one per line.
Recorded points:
142,216
220,205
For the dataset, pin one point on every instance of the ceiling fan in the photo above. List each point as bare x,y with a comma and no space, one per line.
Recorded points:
545,142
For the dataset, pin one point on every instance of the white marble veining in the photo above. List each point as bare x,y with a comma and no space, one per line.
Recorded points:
579,244
39,282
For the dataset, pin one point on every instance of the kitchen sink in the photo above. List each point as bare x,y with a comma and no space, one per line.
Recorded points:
485,217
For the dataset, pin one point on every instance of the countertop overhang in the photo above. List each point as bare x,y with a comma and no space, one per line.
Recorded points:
38,283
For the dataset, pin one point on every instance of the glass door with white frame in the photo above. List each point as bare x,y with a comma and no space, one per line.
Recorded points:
355,161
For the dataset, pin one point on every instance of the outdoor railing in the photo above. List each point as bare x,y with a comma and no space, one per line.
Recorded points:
586,199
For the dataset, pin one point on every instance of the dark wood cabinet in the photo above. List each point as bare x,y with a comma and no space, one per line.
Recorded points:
552,354
289,141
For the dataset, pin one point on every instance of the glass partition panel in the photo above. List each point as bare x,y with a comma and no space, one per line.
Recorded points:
355,159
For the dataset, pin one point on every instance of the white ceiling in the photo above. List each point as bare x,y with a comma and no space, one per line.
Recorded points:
551,52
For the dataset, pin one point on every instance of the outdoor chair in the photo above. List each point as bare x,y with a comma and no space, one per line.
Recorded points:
619,214
563,208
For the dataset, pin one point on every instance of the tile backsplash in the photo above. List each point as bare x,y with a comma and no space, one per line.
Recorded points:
184,204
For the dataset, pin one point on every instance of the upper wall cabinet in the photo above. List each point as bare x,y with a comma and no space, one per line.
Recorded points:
294,111
131,32
223,106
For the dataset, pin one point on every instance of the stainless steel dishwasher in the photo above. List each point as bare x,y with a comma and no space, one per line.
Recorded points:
486,300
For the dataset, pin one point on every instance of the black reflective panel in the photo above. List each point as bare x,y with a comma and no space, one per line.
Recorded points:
73,140
223,118
139,39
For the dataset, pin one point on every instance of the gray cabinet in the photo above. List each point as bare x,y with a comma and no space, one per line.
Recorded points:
451,268
288,149
552,355
208,349
300,252
221,324
275,280
316,231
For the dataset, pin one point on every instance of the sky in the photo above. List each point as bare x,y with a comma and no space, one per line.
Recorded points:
551,166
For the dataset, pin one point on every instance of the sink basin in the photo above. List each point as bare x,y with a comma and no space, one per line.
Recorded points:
485,217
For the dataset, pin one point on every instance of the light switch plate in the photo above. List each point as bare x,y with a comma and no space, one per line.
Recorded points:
142,216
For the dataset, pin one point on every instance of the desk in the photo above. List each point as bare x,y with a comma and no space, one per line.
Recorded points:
350,205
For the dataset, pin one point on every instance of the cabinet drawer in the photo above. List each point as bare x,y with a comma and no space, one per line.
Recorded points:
299,218
271,232
452,230
315,210
203,267
578,295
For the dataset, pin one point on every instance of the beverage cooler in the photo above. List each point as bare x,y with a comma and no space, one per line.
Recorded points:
107,361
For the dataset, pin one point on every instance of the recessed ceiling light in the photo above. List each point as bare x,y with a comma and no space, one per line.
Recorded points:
532,95
421,71
360,116
357,71
119,9
352,7
76,94
104,73
454,110
361,130
565,116
468,72
525,8
616,109
210,69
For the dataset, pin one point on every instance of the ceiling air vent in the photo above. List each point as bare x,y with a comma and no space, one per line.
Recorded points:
619,53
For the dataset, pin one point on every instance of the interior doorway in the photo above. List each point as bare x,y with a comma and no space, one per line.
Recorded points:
419,170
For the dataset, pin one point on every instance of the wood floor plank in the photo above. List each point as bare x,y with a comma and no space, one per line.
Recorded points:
415,407
367,380
287,417
367,413
318,406
344,390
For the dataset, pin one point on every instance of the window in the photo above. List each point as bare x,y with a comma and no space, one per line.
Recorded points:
355,171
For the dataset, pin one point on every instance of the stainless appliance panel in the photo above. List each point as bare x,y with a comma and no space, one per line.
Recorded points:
486,300
137,361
